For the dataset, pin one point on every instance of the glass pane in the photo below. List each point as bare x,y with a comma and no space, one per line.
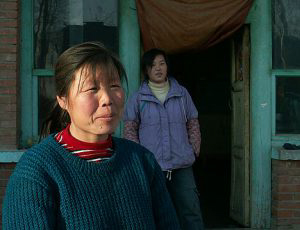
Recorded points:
286,34
59,24
46,97
287,105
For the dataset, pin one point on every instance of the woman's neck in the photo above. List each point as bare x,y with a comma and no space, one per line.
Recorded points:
158,85
160,90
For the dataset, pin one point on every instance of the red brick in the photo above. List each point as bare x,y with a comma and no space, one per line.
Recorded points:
7,99
297,213
3,183
278,164
4,146
297,196
11,140
283,213
8,5
288,188
8,14
288,205
8,124
294,172
8,31
296,223
8,107
10,166
8,23
8,74
7,66
288,179
9,48
281,196
8,91
7,132
7,116
282,171
2,193
282,222
7,82
8,39
8,57
291,164
5,174
283,179
297,164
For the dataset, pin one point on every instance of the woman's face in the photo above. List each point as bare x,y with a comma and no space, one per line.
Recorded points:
95,106
158,71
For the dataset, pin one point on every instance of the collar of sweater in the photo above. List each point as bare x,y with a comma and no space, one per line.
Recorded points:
50,148
160,90
94,152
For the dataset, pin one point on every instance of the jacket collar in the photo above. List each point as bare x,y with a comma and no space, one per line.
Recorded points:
175,89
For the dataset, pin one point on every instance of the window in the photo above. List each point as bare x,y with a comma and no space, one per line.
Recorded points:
286,68
56,25
286,34
288,105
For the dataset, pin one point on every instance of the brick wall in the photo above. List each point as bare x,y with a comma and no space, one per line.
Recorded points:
286,194
8,73
9,37
5,172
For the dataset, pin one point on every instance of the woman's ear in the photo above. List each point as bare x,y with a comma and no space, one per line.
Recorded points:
62,102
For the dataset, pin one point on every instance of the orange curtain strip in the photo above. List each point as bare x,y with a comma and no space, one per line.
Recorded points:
183,25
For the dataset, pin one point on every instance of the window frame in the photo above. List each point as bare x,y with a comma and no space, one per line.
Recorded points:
279,139
29,79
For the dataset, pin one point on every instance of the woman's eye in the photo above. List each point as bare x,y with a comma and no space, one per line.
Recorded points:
92,89
115,86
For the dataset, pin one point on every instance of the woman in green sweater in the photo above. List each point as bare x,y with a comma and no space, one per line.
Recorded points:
79,176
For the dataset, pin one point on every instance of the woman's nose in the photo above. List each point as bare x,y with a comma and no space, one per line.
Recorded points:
105,97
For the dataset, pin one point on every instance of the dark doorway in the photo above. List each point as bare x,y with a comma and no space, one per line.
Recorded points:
206,75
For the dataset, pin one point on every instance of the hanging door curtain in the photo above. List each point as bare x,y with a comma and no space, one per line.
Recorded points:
184,25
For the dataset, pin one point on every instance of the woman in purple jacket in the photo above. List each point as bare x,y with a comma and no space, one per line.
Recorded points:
162,117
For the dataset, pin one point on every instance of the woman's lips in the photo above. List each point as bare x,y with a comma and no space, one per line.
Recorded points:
106,117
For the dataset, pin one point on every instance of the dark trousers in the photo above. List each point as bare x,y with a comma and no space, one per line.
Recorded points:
185,197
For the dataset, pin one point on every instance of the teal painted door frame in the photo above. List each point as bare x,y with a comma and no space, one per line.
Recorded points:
129,43
260,113
129,47
27,81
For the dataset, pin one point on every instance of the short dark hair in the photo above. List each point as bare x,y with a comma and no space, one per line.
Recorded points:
148,58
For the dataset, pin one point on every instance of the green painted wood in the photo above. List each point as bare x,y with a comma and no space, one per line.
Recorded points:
26,72
129,47
35,109
286,72
273,107
43,72
10,156
129,43
261,122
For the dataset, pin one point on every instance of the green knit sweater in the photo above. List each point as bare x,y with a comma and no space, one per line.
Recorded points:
52,189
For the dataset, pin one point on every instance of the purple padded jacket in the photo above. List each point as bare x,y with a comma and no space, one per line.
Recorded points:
162,127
